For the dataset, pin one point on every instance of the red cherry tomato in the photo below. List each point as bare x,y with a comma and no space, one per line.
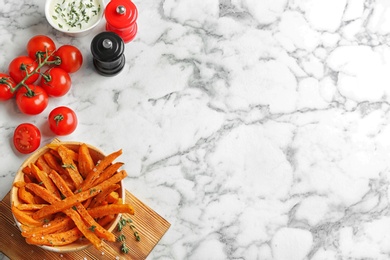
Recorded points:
40,43
71,58
6,83
56,82
27,138
18,67
32,101
62,120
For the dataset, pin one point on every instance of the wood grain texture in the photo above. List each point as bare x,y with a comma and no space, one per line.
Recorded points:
150,226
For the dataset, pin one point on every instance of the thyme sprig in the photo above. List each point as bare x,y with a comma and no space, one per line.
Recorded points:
132,226
124,248
121,238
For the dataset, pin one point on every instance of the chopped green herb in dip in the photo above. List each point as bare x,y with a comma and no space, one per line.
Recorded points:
74,15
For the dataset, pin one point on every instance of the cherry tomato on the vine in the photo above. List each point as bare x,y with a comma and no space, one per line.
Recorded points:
32,101
19,66
6,83
27,138
62,120
40,43
71,58
56,82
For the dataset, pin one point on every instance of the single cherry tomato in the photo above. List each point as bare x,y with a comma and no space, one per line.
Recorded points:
71,58
19,66
62,120
41,44
56,82
32,101
6,83
27,138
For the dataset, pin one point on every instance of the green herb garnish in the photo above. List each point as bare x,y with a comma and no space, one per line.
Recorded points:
124,248
71,166
136,235
121,238
92,228
121,224
76,13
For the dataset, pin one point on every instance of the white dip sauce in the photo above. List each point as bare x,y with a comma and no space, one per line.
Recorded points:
75,15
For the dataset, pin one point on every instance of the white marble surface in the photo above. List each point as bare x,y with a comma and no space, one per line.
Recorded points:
258,129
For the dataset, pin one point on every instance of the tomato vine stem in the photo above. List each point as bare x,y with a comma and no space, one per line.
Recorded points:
46,61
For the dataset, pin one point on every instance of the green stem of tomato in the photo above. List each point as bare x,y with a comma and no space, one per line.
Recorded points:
41,63
4,80
30,92
58,118
47,77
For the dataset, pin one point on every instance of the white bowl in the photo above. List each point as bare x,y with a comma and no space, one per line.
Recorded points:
54,14
96,155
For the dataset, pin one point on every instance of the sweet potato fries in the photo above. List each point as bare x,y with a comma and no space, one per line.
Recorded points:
66,195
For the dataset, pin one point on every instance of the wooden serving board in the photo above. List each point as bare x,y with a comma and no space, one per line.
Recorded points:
150,226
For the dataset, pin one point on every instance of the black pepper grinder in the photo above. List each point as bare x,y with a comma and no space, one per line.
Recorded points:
107,50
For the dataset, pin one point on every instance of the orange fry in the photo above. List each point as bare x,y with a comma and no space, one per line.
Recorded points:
106,220
88,232
99,230
71,153
51,160
26,170
28,178
59,224
39,200
24,218
25,195
71,212
107,173
28,175
105,210
57,239
45,180
30,206
42,164
87,202
69,165
113,197
86,163
94,174
19,184
102,196
79,197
